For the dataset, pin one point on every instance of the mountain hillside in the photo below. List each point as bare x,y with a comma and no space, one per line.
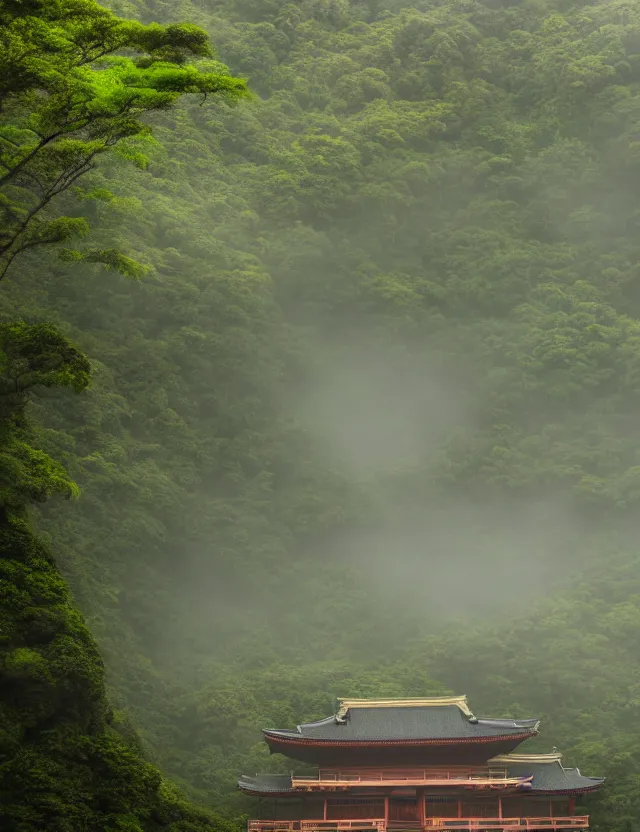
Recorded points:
367,425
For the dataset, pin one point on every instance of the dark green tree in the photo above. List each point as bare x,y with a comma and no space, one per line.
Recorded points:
68,94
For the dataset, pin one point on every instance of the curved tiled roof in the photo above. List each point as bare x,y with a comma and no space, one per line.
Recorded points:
407,722
549,775
266,784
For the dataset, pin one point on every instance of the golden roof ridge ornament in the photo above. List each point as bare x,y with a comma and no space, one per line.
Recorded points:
424,702
551,757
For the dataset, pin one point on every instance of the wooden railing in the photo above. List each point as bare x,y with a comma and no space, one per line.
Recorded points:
324,825
473,824
273,825
431,824
316,825
456,772
332,780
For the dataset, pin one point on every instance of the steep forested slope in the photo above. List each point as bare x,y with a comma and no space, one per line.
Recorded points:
67,97
382,375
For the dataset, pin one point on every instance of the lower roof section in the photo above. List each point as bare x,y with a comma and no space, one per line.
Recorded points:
267,785
544,772
549,775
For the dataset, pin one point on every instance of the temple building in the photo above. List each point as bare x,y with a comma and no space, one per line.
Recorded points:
413,765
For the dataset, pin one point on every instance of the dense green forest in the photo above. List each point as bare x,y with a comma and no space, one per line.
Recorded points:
364,349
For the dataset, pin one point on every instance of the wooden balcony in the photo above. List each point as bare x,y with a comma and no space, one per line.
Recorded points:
316,825
332,780
507,824
346,825
431,825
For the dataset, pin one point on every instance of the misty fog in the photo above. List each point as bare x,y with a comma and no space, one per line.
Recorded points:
363,404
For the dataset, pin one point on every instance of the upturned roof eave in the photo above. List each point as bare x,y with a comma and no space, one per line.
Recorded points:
576,790
289,738
269,792
256,791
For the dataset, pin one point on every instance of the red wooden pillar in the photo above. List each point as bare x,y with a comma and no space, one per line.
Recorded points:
572,806
324,810
386,812
422,816
459,808
500,808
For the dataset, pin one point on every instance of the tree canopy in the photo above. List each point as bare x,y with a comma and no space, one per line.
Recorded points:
368,424
68,94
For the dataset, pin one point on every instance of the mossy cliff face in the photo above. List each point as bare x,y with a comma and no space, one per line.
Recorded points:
63,766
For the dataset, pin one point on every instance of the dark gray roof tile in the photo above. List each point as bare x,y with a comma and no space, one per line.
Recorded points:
266,783
547,777
552,777
406,723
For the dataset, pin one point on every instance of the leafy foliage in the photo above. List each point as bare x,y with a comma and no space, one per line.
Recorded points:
63,764
65,761
67,96
32,358
368,425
